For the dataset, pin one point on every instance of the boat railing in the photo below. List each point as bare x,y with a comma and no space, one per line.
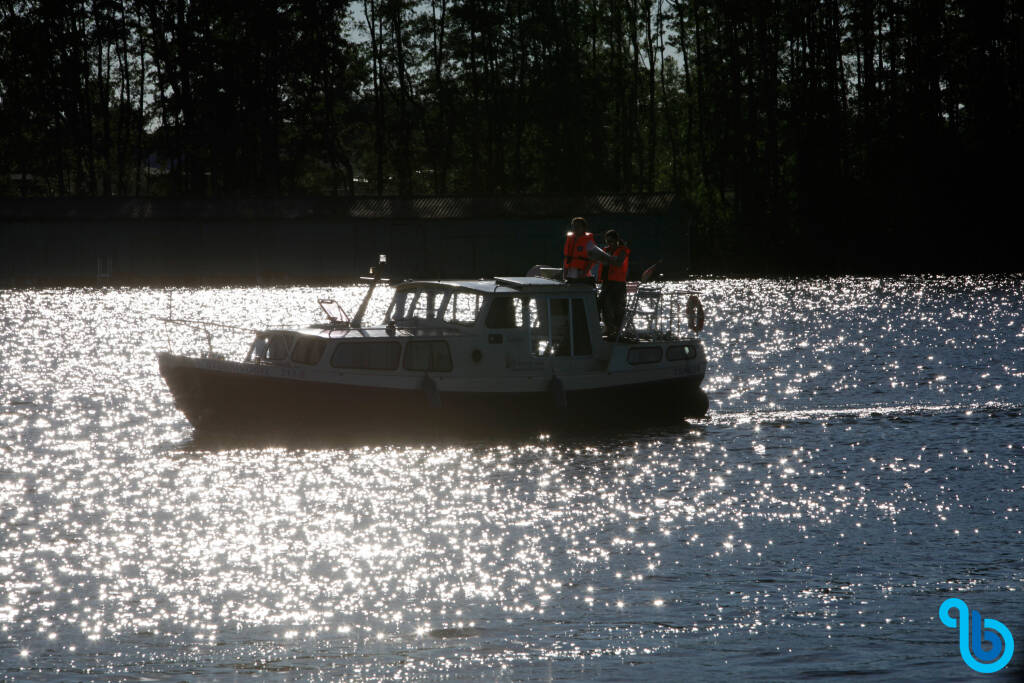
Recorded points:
653,314
204,328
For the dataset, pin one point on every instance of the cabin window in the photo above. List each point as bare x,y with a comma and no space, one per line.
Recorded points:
638,355
279,345
580,329
684,352
382,355
270,347
308,350
462,308
428,356
417,304
424,305
539,341
505,313
558,327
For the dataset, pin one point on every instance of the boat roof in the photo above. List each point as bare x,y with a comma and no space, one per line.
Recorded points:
500,285
328,332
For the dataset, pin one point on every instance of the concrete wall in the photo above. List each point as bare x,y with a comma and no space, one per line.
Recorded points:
63,247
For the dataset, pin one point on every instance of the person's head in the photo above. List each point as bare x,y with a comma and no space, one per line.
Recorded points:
578,225
611,238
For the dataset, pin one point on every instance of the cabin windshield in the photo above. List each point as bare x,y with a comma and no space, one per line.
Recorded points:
458,307
463,308
418,304
271,347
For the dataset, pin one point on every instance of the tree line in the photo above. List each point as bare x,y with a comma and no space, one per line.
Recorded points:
849,126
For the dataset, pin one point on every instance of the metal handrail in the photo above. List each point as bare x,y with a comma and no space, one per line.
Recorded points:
201,326
664,319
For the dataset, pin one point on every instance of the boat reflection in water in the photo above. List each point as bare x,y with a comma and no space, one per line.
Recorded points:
473,356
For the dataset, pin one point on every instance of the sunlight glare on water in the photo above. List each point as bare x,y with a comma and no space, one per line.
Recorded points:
862,461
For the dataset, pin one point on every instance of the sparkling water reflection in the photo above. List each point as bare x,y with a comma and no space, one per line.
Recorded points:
862,462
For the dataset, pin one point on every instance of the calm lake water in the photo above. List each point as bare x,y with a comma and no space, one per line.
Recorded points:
862,463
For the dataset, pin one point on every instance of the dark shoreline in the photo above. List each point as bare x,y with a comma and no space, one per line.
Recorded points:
160,241
313,241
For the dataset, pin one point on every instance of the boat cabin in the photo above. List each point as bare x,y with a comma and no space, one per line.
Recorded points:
478,327
552,318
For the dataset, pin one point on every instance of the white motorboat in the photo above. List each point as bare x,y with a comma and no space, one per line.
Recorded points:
462,354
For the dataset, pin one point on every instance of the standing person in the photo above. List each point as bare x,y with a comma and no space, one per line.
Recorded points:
581,252
612,277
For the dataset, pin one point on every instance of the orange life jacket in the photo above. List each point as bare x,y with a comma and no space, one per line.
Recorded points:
613,273
575,251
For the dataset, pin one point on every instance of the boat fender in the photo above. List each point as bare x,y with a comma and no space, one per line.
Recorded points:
695,313
557,390
429,387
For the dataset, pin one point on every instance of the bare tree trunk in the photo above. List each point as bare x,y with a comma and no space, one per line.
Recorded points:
370,13
442,135
652,111
139,151
404,161
635,141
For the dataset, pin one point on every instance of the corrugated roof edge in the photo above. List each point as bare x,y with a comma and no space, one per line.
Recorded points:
422,208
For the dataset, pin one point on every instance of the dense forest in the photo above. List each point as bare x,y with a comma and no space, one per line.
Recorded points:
802,134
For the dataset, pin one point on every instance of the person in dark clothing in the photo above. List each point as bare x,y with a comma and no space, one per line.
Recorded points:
612,276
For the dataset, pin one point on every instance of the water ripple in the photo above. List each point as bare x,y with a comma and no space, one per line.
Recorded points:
862,460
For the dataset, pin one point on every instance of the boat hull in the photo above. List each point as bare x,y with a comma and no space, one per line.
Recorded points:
228,399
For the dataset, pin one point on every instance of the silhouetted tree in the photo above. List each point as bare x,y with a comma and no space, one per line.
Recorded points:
793,128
